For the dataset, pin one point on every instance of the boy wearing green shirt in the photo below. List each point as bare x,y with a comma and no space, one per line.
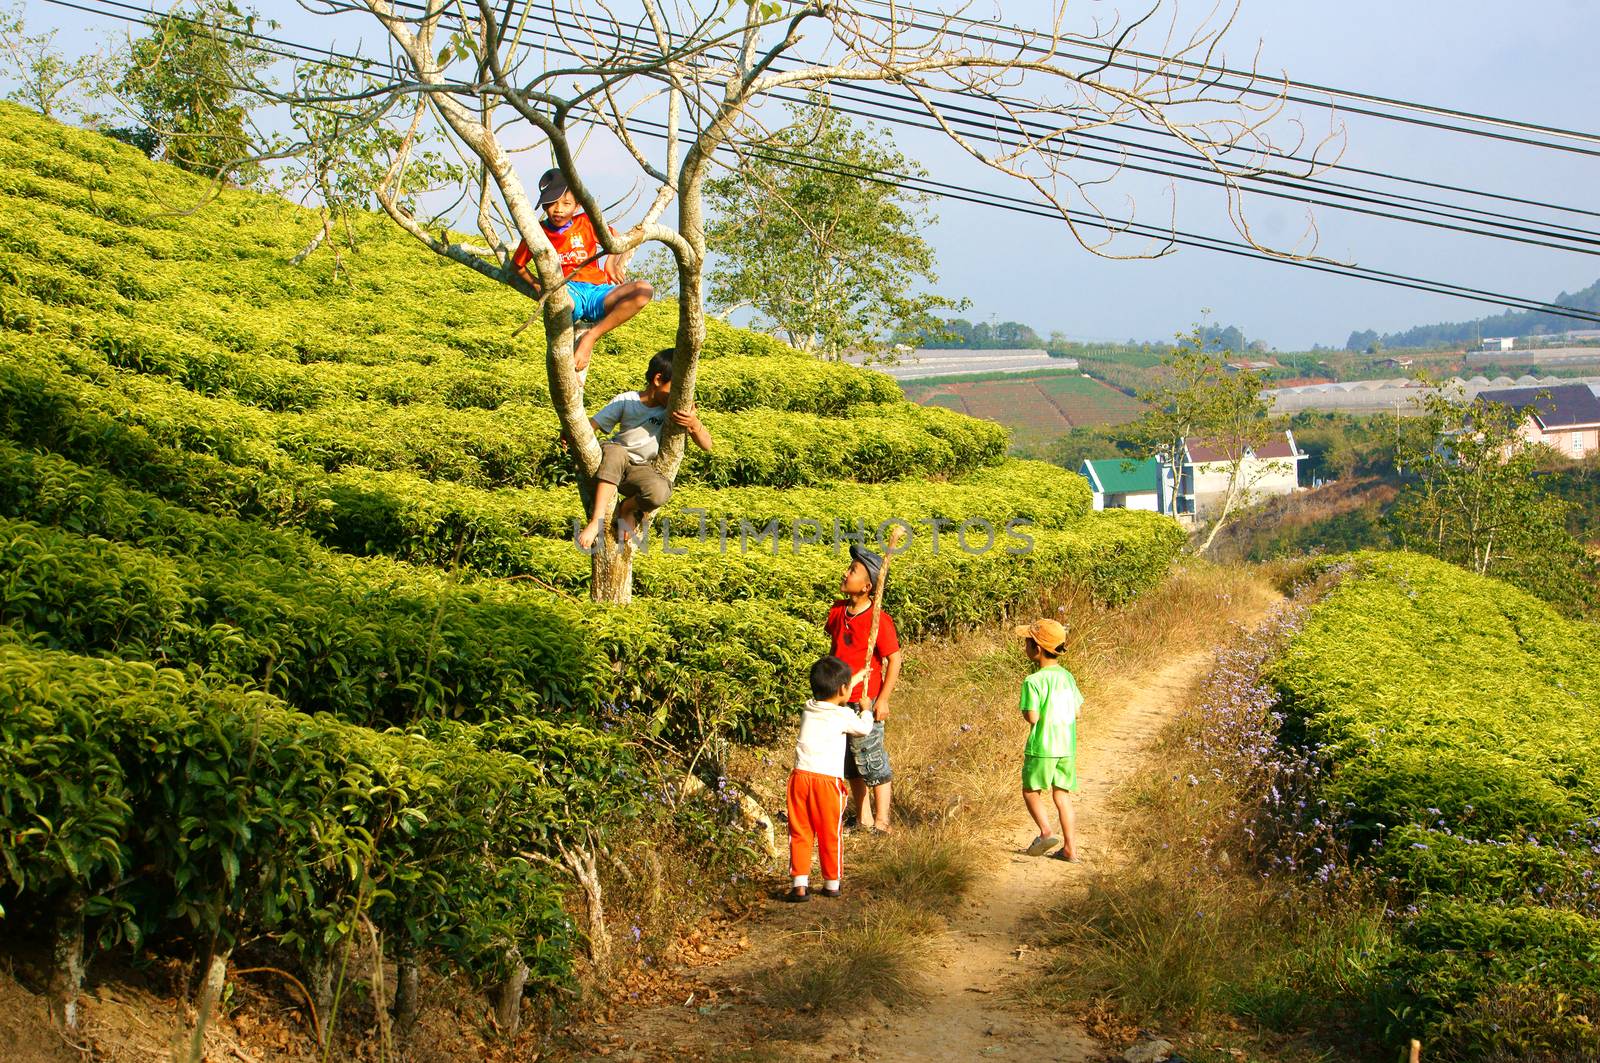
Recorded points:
1050,703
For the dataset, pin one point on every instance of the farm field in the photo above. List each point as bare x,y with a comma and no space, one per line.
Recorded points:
1037,407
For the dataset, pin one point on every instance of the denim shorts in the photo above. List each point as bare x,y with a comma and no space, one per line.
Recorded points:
866,758
588,300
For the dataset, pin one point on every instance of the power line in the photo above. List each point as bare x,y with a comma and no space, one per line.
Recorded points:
1337,189
1207,176
1180,237
1021,206
1023,37
1539,234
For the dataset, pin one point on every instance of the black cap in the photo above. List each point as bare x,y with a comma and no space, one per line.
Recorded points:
869,561
552,186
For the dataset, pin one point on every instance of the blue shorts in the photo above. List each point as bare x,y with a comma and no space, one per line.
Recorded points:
588,300
866,758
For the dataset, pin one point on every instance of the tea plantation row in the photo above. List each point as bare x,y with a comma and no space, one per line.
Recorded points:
1459,719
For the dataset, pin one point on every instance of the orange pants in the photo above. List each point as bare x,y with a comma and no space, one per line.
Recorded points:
816,811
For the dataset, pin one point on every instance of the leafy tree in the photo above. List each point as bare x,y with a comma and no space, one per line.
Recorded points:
1197,398
657,268
44,78
342,148
1220,338
186,83
1476,499
827,255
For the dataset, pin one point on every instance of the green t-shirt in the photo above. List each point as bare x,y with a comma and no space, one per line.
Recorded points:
1053,694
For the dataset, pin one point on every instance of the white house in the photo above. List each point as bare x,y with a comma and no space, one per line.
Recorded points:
1498,343
1119,483
1265,471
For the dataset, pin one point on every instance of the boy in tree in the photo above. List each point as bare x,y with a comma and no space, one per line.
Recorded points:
599,293
816,792
625,469
1050,703
849,623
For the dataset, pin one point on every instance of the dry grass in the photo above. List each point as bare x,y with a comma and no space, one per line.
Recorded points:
880,957
927,868
956,740
955,737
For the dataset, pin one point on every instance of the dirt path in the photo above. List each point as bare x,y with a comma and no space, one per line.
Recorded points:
984,953
970,1013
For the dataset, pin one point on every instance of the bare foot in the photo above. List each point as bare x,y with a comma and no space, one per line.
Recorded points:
624,528
587,537
582,351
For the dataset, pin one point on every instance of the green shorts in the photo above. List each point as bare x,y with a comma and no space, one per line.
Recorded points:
1049,773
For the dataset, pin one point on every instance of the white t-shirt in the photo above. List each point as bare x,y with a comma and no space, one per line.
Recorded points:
822,736
638,426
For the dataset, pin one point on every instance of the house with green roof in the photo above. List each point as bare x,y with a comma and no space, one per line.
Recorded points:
1120,483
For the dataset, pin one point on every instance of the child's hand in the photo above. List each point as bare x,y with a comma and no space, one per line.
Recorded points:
686,419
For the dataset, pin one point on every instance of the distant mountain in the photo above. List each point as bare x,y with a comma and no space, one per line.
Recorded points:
1510,323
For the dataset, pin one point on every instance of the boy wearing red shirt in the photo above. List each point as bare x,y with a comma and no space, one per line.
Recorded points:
866,762
599,294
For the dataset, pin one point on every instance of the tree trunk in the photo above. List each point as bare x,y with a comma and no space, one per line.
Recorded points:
508,996
585,868
316,241
66,975
322,978
210,995
611,570
407,988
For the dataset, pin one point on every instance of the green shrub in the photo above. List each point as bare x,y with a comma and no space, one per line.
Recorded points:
1458,724
197,440
286,823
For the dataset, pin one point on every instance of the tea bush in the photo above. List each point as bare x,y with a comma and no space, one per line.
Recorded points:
285,822
1459,719
515,444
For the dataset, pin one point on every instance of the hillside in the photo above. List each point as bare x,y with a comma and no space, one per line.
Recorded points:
1508,323
303,543
1448,725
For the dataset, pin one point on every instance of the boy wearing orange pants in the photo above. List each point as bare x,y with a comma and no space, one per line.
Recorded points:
816,786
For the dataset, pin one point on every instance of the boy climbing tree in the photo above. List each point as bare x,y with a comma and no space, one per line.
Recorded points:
599,293
625,458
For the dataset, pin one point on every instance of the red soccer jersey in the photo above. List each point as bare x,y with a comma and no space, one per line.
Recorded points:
575,245
849,634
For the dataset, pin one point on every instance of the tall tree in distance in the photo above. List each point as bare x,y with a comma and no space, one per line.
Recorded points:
185,83
44,78
341,149
1200,400
1475,499
808,234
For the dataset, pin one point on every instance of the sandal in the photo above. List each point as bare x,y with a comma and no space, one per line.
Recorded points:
826,892
797,895
1061,854
1041,845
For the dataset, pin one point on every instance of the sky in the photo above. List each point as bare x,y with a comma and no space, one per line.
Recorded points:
1531,61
